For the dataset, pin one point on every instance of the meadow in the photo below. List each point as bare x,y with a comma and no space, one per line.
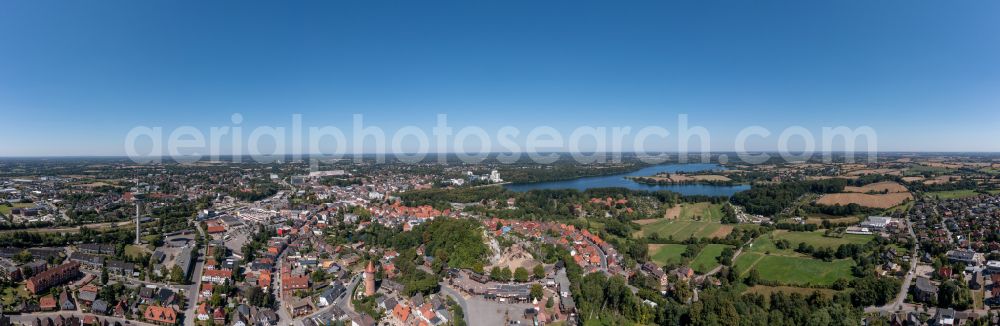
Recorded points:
664,254
698,220
953,194
817,239
707,258
791,268
704,261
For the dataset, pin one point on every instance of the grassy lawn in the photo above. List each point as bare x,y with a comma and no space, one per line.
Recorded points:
663,254
702,211
134,251
795,270
9,293
706,260
5,210
953,194
817,239
790,267
699,220
904,207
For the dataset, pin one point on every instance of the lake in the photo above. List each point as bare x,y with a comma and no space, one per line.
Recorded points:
619,180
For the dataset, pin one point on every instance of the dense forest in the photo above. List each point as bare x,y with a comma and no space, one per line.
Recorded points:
771,199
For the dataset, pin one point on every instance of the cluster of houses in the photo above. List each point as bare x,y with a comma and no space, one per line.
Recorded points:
588,249
96,257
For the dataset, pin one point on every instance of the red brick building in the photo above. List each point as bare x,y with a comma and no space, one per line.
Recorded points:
49,278
161,315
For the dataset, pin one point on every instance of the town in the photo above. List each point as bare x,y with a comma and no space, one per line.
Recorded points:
910,242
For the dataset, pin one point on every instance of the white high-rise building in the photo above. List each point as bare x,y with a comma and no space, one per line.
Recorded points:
495,177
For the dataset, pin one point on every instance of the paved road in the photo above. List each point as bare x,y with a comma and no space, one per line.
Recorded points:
719,268
459,298
898,304
343,302
28,319
192,290
284,316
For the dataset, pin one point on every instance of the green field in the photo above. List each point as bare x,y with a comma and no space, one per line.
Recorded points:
10,293
789,267
706,260
953,194
5,210
699,220
700,211
664,254
817,239
795,270
917,169
134,251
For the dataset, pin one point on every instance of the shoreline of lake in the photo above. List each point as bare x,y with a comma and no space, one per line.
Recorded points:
622,180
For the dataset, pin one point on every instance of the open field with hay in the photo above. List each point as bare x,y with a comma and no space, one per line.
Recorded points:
942,179
879,187
876,201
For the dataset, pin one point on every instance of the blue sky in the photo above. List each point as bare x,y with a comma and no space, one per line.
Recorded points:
76,76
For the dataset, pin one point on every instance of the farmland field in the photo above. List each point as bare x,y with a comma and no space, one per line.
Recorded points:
663,254
942,179
885,186
876,201
818,218
706,260
699,220
953,194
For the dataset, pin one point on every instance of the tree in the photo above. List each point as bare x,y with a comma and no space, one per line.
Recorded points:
495,274
954,295
521,274
176,274
500,274
536,291
163,273
539,271
752,278
318,276
104,275
549,303
23,257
